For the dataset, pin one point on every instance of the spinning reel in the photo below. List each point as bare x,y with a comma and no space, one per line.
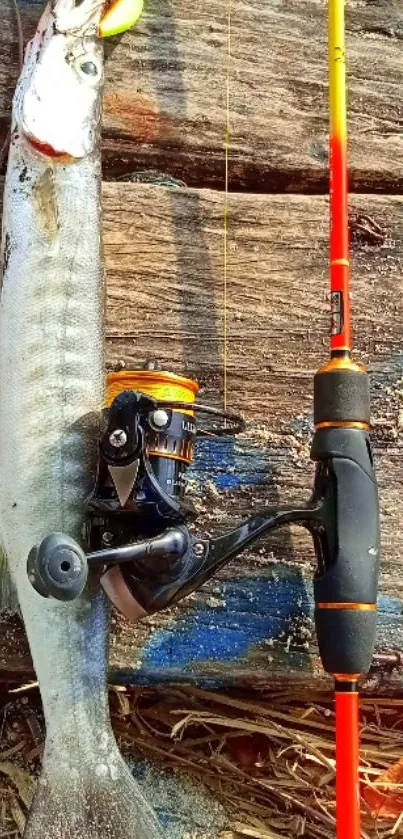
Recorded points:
147,439
137,535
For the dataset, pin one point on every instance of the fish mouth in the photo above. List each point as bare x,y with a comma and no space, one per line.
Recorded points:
47,150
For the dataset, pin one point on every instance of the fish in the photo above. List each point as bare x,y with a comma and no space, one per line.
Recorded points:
51,394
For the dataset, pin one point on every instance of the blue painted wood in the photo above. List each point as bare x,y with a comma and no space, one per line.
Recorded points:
231,464
256,626
229,631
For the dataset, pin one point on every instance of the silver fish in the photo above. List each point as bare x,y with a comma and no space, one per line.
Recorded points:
52,388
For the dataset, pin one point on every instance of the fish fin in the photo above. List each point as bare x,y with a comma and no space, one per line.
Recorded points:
84,802
8,591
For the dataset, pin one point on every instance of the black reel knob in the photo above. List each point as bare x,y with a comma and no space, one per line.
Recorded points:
58,568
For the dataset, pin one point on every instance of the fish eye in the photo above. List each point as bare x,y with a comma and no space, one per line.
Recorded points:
88,69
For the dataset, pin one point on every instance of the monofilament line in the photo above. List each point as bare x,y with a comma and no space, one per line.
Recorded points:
226,146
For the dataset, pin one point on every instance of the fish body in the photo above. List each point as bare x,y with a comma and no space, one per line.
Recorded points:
51,392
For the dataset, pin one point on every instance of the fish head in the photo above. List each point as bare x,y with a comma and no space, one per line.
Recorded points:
57,105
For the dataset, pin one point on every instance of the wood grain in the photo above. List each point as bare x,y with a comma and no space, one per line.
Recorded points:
164,253
166,91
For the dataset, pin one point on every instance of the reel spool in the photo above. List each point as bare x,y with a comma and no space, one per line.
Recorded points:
165,436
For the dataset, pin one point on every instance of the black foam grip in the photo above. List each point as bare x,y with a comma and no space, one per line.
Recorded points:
346,640
347,543
341,396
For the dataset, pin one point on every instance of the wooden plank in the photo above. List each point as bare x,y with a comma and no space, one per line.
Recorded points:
166,91
164,251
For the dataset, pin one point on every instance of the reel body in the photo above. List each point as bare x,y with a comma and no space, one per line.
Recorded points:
146,447
136,536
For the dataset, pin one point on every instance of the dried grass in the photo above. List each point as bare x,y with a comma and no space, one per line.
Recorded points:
269,760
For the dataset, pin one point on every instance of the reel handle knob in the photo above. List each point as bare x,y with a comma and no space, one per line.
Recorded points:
58,568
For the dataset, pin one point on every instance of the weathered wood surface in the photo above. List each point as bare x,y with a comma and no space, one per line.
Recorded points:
164,250
166,91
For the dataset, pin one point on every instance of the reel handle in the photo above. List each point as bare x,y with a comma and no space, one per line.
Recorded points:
159,571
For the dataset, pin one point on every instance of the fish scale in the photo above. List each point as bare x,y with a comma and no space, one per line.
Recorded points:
52,389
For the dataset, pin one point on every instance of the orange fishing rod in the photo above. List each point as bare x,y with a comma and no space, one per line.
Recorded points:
346,695
339,246
342,407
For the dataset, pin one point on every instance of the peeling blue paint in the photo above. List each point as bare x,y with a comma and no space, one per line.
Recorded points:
230,464
303,425
229,631
389,605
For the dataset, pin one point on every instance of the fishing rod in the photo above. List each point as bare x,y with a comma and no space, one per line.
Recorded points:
138,540
346,627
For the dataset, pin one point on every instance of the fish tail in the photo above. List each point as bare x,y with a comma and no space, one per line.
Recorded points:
84,803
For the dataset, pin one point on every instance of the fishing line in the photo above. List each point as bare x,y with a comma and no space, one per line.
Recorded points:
20,34
227,148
